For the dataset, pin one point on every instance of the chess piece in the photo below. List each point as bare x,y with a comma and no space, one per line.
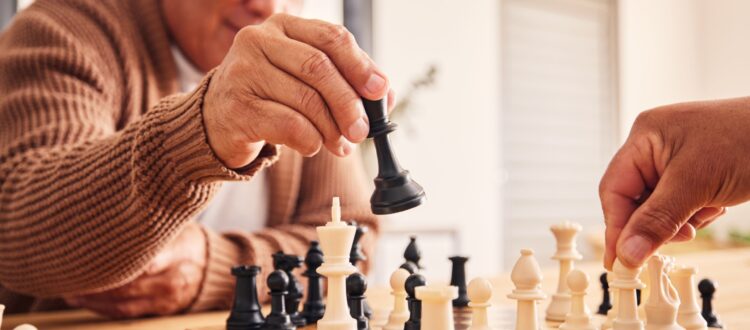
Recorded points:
356,285
413,282
278,319
458,279
606,304
314,306
2,309
287,263
410,267
336,238
663,301
412,252
579,317
707,288
356,255
245,314
25,326
565,235
437,309
479,294
626,281
612,313
400,314
688,315
527,277
395,191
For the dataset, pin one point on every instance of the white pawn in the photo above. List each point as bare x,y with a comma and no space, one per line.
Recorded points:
626,282
579,317
480,293
661,306
400,313
688,315
527,277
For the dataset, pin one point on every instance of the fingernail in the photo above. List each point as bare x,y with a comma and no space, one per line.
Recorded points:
358,130
375,84
635,249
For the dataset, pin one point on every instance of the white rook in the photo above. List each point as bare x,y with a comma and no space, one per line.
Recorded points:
688,315
437,306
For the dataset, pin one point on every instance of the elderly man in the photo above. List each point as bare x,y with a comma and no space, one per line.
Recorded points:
114,145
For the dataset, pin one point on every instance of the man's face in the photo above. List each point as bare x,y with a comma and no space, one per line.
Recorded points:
205,29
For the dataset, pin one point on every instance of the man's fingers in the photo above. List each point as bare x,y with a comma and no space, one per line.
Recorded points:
706,216
660,217
686,233
621,186
288,90
317,70
282,125
336,41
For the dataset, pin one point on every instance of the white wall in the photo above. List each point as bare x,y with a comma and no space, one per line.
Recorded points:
454,150
681,50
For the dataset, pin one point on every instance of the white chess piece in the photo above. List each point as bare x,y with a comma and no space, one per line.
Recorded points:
663,302
688,315
437,306
579,318
25,326
336,239
527,277
400,313
2,309
612,313
626,282
480,293
565,235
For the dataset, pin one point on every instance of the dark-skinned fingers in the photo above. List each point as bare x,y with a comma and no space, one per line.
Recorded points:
282,125
339,44
660,217
706,216
686,233
316,69
288,90
619,189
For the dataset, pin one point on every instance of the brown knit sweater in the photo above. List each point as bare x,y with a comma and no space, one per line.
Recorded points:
101,163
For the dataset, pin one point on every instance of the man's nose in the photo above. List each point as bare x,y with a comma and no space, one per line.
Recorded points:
262,8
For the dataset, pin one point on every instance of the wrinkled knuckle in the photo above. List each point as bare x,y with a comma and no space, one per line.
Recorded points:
317,65
660,224
338,36
309,99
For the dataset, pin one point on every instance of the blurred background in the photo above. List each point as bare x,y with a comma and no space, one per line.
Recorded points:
511,109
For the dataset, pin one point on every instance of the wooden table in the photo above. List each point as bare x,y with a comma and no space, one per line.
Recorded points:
729,268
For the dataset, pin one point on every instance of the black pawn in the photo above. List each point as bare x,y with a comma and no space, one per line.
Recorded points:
707,288
606,304
356,255
288,263
412,252
314,307
458,279
245,312
410,267
356,285
415,305
394,191
278,319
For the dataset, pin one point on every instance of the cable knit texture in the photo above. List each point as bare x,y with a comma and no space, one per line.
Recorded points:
101,162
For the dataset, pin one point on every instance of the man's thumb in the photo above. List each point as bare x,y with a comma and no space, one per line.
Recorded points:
674,200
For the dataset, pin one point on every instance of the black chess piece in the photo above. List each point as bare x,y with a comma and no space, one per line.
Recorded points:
415,305
278,319
356,285
288,263
410,267
356,255
412,252
314,307
458,279
606,304
245,314
395,191
638,297
707,288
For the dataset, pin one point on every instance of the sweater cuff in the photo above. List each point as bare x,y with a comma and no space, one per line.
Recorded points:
217,289
187,146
